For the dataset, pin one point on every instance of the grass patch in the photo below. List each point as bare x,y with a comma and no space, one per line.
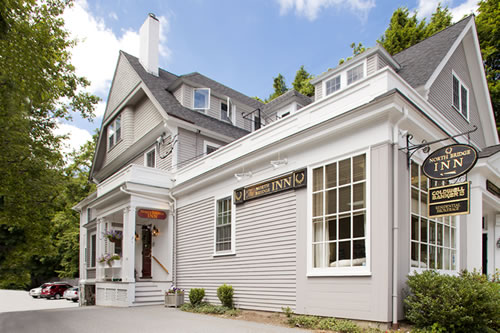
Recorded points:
331,324
205,307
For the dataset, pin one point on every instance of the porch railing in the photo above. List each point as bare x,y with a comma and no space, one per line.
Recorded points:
159,263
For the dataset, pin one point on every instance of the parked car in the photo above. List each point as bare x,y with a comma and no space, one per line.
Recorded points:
71,294
55,290
35,292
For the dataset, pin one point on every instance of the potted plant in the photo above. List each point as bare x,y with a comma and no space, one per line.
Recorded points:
108,259
113,235
174,297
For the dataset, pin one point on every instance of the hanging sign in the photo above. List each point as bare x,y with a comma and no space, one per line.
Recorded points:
449,200
290,181
152,214
492,188
450,162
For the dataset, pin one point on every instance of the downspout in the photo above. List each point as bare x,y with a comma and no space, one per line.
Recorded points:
395,219
174,245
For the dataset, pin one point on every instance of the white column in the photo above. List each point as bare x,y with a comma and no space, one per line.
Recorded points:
128,244
99,273
495,239
474,230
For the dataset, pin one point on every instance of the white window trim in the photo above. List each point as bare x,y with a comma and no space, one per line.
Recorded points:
456,219
340,271
332,78
93,233
146,157
112,125
363,65
233,227
343,78
460,85
208,143
230,107
208,103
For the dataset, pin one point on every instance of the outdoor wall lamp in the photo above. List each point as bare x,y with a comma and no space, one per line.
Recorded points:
498,243
155,231
137,237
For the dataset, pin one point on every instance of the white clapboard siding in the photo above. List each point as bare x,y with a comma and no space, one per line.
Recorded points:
263,270
146,117
318,91
371,64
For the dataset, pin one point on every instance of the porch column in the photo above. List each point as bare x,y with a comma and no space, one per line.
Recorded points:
128,260
474,230
99,269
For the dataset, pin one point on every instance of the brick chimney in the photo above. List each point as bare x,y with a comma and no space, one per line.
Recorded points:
149,44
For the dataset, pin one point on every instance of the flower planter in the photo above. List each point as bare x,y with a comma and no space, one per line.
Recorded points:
174,299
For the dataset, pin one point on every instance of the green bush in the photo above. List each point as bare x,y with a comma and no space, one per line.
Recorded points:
287,311
205,307
196,296
443,303
304,321
225,294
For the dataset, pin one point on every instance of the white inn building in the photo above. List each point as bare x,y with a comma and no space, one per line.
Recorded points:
310,203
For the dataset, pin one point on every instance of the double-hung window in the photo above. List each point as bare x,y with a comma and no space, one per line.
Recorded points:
355,74
92,251
150,158
339,234
332,85
224,226
202,99
460,97
114,132
433,240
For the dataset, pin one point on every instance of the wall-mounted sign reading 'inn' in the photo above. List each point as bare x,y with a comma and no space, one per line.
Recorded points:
290,181
450,162
152,214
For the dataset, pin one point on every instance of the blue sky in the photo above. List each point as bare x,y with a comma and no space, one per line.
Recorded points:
242,44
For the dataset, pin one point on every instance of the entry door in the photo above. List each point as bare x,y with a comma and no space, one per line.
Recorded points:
485,254
146,252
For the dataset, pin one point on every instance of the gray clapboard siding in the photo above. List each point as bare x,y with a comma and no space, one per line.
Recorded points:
165,163
187,96
146,117
440,95
263,270
191,146
318,91
178,94
139,160
121,88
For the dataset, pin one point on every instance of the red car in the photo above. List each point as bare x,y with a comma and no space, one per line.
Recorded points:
54,290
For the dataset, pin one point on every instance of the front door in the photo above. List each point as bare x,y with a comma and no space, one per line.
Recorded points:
146,252
485,254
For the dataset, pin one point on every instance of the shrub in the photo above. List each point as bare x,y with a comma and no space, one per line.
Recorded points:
225,294
304,321
465,303
196,296
287,310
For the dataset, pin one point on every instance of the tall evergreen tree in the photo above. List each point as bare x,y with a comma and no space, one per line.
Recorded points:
440,19
301,82
279,86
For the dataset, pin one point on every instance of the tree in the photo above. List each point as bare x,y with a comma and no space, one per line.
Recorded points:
488,30
38,87
403,31
356,49
279,86
301,82
440,19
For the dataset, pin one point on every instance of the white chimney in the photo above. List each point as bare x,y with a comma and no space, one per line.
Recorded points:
149,43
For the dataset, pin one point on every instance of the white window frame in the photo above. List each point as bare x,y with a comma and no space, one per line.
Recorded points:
146,157
194,99
454,219
325,89
93,233
461,85
233,227
112,131
211,144
231,111
363,74
340,271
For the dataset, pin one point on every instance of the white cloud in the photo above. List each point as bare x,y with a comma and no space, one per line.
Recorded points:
113,16
427,7
311,8
96,53
77,137
99,109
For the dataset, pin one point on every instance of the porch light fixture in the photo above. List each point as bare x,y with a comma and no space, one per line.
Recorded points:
277,163
137,236
240,176
155,231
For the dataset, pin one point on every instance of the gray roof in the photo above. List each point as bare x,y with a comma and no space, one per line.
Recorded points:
158,87
419,61
289,96
489,151
204,81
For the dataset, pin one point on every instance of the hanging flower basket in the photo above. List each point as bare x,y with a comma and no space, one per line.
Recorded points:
108,259
113,235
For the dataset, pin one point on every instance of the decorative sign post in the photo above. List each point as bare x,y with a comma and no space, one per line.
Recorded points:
290,181
447,163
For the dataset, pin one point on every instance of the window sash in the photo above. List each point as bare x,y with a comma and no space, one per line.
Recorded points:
354,74
202,98
93,243
118,129
151,158
332,85
223,225
460,97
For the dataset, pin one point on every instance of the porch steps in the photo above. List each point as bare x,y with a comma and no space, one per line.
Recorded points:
148,293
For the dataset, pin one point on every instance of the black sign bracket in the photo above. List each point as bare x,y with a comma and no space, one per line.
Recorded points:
412,148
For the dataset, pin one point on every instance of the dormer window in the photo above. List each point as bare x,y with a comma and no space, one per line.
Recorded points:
202,99
114,132
460,97
332,85
355,74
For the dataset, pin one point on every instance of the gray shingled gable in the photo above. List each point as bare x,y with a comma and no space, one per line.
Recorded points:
158,87
204,81
419,61
289,96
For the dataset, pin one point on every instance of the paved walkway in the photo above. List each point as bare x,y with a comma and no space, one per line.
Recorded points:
14,318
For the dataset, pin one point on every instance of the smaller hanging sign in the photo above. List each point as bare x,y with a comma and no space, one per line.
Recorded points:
448,200
152,214
450,162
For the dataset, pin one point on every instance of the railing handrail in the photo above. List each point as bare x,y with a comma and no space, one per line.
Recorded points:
159,263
